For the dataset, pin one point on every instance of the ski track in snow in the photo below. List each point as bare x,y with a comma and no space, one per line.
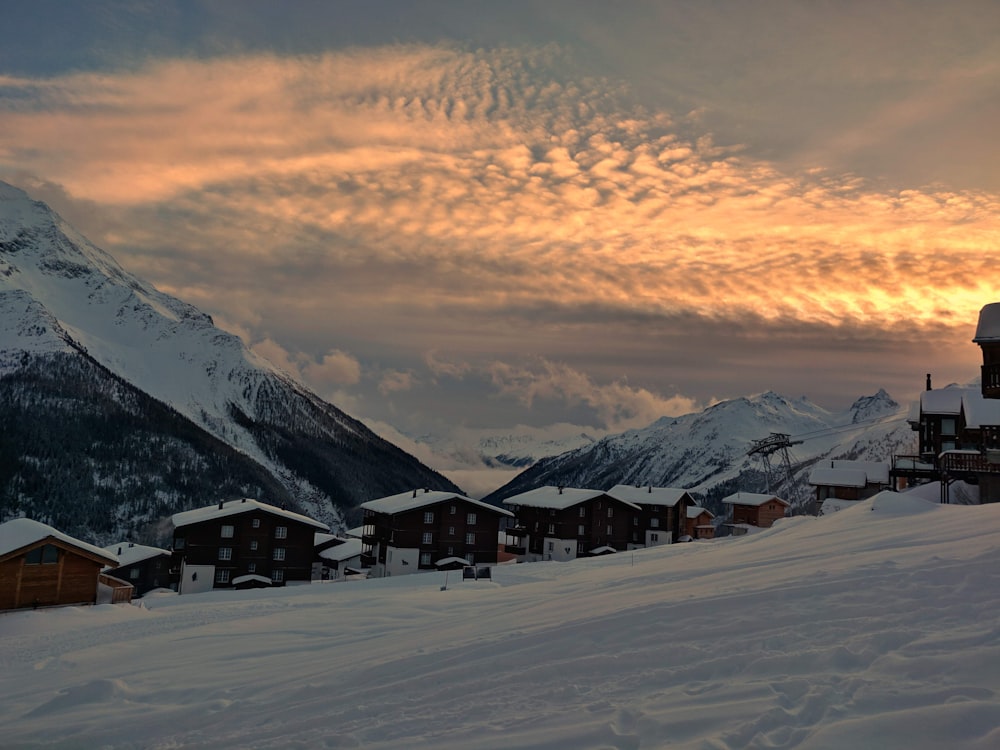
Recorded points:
858,630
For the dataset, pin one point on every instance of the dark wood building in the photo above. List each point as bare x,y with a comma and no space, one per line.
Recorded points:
848,480
146,568
563,523
662,513
218,543
42,567
753,510
412,531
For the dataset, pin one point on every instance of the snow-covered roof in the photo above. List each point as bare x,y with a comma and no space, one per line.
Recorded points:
693,511
452,561
129,553
649,495
235,507
559,498
979,411
751,498
877,472
942,400
826,476
251,577
340,552
603,550
414,499
21,532
988,328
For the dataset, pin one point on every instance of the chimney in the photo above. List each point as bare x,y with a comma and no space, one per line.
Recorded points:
426,490
650,490
119,550
221,503
243,500
560,489
929,382
414,492
131,544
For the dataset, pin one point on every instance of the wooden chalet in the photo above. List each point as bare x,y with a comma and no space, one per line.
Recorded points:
42,567
753,510
146,568
412,531
698,524
216,544
662,516
848,480
563,523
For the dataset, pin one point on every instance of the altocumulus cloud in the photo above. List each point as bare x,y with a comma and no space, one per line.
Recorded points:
432,197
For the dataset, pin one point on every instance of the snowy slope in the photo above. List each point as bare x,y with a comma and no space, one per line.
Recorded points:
706,452
59,293
873,628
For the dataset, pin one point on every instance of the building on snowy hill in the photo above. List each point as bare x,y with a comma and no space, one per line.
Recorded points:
413,531
336,557
216,544
753,510
988,338
146,568
698,524
958,437
662,518
563,523
42,567
848,480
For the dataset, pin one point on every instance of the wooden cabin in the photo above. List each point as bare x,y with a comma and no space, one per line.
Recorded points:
146,568
754,510
698,524
411,531
42,567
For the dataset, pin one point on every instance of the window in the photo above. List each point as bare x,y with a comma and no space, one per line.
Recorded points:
255,523
253,544
608,532
227,531
425,558
551,546
429,517
635,520
580,530
222,576
44,555
179,543
453,510
427,538
552,528
280,532
451,551
225,553
133,574
947,426
611,512
252,568
470,538
579,548
451,531
654,537
279,553
277,576
470,519
654,523
583,511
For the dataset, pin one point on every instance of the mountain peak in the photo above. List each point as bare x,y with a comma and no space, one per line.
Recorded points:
872,407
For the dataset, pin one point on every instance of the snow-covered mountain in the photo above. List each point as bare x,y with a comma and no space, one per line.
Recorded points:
706,452
127,352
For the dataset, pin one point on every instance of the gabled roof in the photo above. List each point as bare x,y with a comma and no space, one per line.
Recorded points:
24,532
980,412
236,507
665,496
129,553
413,499
827,476
876,472
751,498
947,401
558,498
693,511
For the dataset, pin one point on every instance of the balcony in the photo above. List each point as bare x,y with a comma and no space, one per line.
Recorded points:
957,463
515,549
914,467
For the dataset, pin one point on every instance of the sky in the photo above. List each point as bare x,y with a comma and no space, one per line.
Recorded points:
872,627
454,217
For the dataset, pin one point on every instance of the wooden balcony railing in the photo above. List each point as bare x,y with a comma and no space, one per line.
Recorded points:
991,380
